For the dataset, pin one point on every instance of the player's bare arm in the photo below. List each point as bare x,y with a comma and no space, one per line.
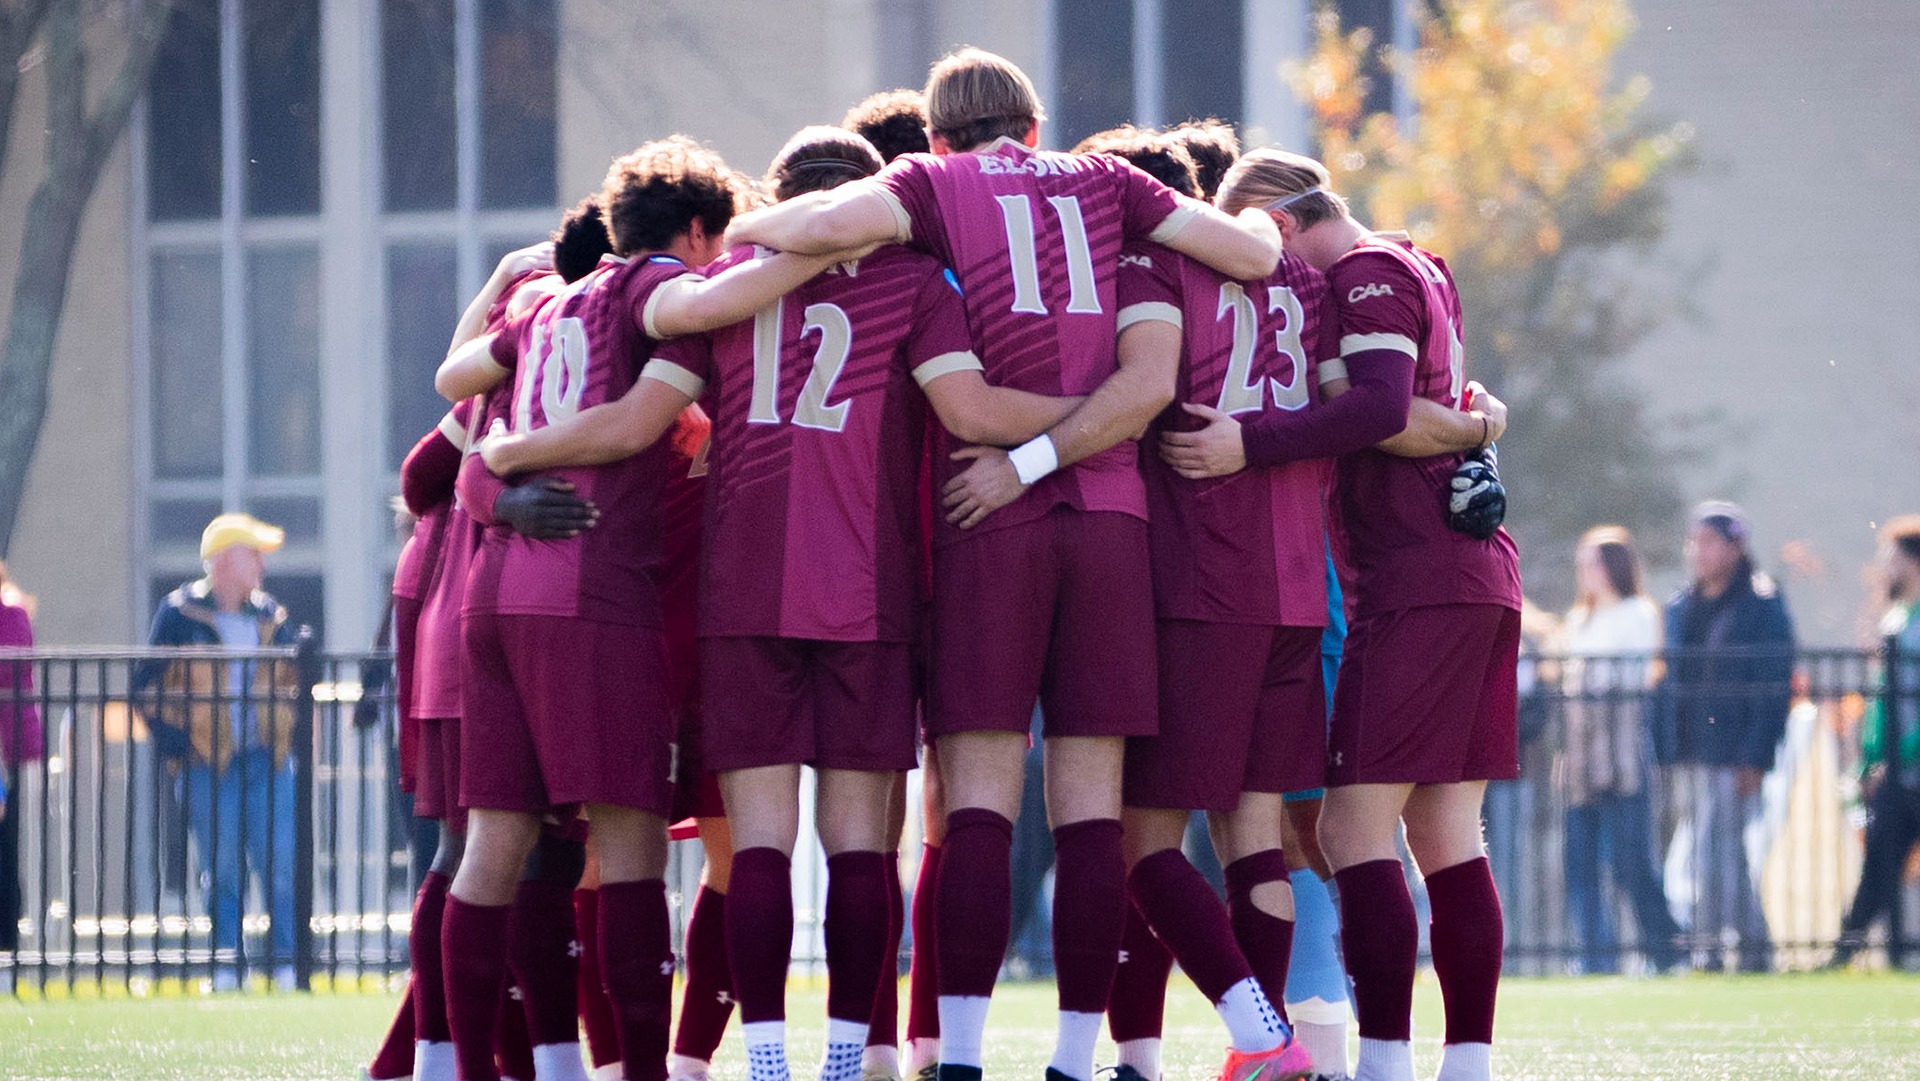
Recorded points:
469,369
594,436
1244,246
976,411
1434,429
1118,409
693,304
511,266
851,216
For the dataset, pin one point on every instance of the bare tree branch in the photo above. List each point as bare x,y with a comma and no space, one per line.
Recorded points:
78,146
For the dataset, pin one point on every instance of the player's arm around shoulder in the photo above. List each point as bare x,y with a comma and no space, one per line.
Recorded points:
851,216
597,435
1244,246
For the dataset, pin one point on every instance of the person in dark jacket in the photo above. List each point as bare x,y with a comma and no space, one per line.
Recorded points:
1724,704
226,728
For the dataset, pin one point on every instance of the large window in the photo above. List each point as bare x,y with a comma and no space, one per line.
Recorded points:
232,193
1147,62
468,147
255,251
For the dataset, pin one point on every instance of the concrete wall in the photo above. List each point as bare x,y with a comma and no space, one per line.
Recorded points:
1809,122
73,546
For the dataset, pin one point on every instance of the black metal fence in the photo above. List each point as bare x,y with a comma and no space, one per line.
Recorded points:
227,818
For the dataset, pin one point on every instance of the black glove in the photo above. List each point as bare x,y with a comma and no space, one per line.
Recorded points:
1476,500
544,508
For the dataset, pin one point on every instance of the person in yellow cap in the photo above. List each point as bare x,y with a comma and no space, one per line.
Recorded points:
224,724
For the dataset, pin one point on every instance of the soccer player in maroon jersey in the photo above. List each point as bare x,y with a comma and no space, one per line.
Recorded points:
1051,595
1424,714
565,682
1239,591
812,575
895,122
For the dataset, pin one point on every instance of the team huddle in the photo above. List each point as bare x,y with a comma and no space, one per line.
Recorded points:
852,468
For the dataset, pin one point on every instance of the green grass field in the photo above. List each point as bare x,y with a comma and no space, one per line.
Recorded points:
1840,1026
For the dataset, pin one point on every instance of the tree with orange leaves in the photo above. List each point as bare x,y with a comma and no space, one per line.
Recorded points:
1543,183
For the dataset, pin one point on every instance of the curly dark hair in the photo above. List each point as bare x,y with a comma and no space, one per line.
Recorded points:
818,158
894,121
655,194
581,240
1214,148
1160,157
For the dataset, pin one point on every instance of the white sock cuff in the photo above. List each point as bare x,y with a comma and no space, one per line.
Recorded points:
1384,1060
433,1061
559,1062
679,1068
1465,1062
612,1071
761,1033
1318,1011
843,1031
1143,1055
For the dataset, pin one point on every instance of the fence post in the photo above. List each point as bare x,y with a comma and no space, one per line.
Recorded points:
307,657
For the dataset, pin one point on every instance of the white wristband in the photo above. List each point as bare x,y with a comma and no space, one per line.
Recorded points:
1034,459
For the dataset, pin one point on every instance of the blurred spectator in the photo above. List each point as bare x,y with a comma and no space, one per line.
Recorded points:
1890,745
1723,708
22,744
227,725
1609,638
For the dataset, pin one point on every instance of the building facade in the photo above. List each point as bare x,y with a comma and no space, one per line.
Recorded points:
312,188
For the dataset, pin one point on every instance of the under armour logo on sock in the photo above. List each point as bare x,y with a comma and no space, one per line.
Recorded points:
666,967
723,997
513,992
1125,957
574,949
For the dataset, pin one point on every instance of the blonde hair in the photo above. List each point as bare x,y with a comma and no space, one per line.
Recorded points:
975,97
1268,174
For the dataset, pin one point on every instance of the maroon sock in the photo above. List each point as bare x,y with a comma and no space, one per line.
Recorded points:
429,978
923,969
1266,940
473,948
512,1050
596,1014
855,931
545,967
1089,912
1465,935
1184,912
707,1001
636,963
883,1025
760,932
1380,939
395,1057
1136,1010
975,899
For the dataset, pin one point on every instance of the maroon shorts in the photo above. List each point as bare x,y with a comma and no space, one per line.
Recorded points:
1059,609
437,795
561,711
781,701
696,791
1427,696
1241,710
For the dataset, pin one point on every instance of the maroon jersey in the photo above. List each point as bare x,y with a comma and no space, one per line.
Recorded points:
1391,297
812,523
1035,238
682,509
581,348
437,643
420,557
1249,547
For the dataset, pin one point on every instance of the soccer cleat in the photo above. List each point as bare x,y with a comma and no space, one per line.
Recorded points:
929,1072
1288,1062
1124,1072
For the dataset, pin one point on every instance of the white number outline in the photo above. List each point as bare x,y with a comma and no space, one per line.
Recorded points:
1241,391
1083,293
810,409
558,366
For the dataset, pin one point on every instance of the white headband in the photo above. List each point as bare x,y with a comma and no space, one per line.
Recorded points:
1282,204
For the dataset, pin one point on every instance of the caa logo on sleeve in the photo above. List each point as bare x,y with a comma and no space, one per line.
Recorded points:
1371,289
